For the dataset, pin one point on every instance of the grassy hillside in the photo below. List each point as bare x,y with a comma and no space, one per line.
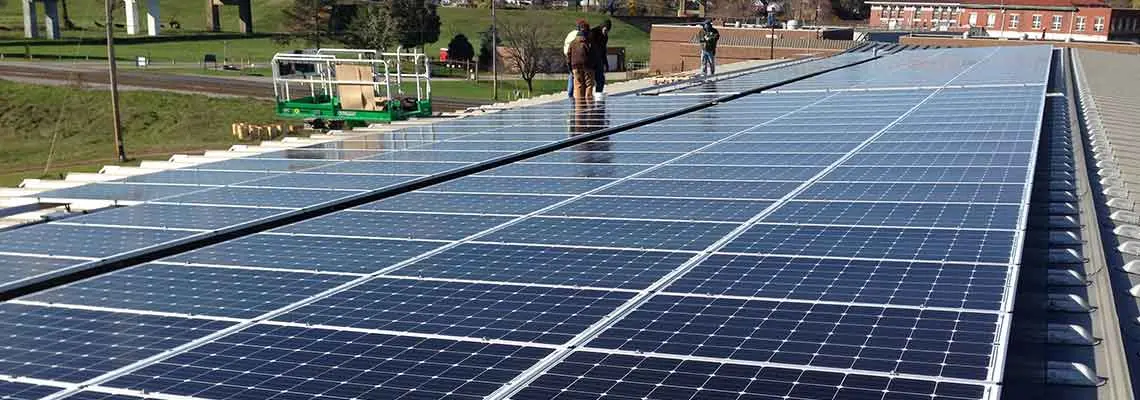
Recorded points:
268,18
190,13
156,124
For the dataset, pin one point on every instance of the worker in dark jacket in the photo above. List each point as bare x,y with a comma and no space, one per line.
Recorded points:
581,68
599,41
709,37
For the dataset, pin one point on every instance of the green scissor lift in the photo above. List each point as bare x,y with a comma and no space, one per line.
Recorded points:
344,88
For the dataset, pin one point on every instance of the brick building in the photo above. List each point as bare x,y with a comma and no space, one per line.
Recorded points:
1085,20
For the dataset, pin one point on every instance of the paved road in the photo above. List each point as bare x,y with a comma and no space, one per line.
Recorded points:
259,87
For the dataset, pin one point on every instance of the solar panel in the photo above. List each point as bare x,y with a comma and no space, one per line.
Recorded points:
519,313
334,254
836,280
891,340
598,375
72,345
267,361
171,216
82,241
286,193
213,291
564,266
697,284
24,391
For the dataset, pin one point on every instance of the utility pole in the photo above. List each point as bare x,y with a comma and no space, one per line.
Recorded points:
494,53
772,9
118,123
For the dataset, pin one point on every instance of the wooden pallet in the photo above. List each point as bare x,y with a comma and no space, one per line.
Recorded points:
664,80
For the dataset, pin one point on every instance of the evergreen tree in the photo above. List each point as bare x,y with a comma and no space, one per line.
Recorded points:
460,49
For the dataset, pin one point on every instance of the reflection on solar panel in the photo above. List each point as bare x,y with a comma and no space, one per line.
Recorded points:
249,190
692,275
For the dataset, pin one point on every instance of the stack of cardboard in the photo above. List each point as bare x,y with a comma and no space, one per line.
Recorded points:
355,96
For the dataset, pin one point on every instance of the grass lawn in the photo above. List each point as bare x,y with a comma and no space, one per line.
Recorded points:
156,125
268,18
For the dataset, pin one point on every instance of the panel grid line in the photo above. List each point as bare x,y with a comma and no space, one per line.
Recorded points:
532,373
361,280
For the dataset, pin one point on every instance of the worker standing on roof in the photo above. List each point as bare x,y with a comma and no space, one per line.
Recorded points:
599,41
572,36
709,37
581,70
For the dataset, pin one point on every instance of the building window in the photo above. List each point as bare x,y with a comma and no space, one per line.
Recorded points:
973,19
1080,24
1098,24
915,15
991,19
1036,22
1014,20
1057,22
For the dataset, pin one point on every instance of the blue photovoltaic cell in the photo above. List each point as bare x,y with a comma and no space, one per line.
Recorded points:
646,208
901,244
24,391
921,192
82,241
252,164
598,375
619,269
759,159
919,284
929,174
499,146
581,154
734,173
499,184
464,203
903,341
76,345
218,292
831,146
963,159
475,310
192,177
293,198
884,145
702,189
440,155
575,170
396,225
956,133
612,233
244,196
308,253
306,153
89,395
176,216
331,181
710,135
18,267
389,168
118,191
286,362
978,216
619,146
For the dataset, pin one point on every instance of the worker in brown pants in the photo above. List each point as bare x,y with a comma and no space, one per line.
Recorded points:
581,68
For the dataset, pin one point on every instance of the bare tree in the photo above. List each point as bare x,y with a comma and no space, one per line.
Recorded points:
530,47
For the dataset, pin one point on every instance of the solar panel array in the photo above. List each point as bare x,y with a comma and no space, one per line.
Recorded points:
782,245
197,201
744,81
